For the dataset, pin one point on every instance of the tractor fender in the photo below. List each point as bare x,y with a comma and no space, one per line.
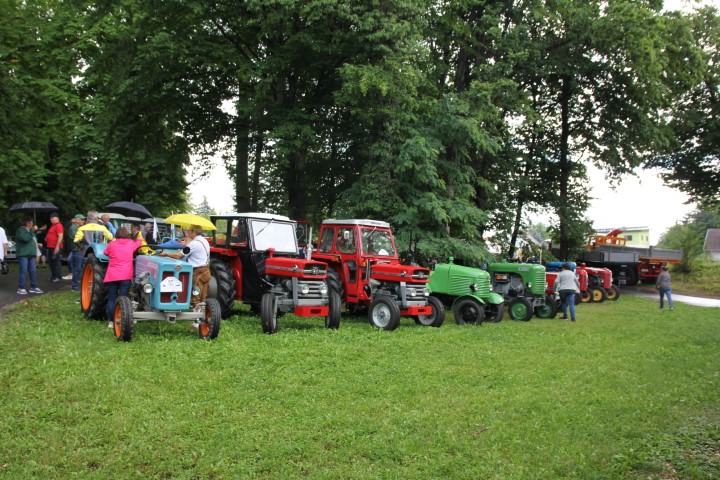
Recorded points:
464,297
495,298
97,249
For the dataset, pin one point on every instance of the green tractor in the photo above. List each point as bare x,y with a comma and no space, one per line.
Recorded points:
523,287
467,291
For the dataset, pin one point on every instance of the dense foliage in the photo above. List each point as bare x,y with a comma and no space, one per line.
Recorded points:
450,119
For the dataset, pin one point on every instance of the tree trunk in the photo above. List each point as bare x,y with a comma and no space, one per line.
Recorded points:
565,97
242,184
255,194
297,191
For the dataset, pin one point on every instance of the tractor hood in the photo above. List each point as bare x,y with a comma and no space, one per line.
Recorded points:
296,267
387,272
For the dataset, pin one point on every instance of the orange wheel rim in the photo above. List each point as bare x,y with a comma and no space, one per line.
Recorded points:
86,287
117,321
205,324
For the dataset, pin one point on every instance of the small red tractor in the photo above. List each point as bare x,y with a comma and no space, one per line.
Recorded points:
582,276
600,284
254,259
364,268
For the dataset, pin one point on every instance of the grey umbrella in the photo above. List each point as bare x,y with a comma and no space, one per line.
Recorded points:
129,209
33,207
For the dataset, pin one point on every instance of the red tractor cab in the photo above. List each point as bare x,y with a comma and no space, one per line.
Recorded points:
255,259
364,268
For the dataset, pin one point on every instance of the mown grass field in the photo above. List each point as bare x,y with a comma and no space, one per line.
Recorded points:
627,392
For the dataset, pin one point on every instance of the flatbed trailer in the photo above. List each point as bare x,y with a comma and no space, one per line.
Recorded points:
629,265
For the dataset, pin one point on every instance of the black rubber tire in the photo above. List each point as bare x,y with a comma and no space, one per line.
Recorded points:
599,295
124,325
437,317
210,325
585,297
495,312
334,283
631,276
225,285
469,312
519,309
384,313
268,314
613,294
332,321
547,311
93,292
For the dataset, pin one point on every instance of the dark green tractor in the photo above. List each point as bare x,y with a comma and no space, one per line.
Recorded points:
523,287
466,291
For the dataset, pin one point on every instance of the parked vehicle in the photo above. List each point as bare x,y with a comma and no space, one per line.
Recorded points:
523,287
364,269
628,264
466,291
161,290
550,277
254,259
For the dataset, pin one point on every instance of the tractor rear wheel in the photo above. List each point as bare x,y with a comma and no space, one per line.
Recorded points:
549,310
469,312
268,313
210,324
93,292
495,312
334,283
384,313
599,294
520,309
123,321
437,317
224,286
613,293
333,319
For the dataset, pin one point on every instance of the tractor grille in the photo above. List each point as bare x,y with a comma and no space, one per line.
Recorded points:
418,289
314,289
538,282
182,297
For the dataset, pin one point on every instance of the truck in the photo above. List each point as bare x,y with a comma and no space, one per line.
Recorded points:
255,259
629,265
365,270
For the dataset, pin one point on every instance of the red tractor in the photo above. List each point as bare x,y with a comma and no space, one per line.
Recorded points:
254,259
364,268
582,276
600,284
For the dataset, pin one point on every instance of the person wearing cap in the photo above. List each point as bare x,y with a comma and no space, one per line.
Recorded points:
75,257
53,241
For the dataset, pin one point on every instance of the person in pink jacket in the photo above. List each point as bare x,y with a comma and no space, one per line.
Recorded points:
119,274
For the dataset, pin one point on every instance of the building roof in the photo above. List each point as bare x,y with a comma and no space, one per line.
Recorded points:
624,229
712,240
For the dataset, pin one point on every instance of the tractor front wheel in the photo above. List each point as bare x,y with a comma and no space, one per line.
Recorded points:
599,294
585,297
495,312
613,294
519,309
123,321
549,310
210,324
436,318
333,319
93,292
222,286
268,313
384,313
469,311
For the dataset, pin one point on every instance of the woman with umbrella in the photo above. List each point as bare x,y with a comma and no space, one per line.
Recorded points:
26,251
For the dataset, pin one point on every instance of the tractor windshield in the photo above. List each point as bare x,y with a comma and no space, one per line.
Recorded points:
272,234
377,242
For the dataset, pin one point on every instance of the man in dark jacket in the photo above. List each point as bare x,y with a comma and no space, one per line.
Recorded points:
26,252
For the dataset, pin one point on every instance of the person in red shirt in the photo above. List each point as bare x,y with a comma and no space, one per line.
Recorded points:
119,273
53,242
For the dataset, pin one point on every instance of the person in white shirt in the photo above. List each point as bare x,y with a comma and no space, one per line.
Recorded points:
5,244
198,255
567,285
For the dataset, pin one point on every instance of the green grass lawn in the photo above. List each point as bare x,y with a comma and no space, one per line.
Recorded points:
627,392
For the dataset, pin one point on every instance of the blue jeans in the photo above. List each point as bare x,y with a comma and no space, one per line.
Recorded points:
115,289
27,265
567,297
668,292
75,261
53,260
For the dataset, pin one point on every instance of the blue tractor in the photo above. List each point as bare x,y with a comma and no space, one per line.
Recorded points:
161,290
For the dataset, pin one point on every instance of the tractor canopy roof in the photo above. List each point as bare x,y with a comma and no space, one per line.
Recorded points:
371,223
266,216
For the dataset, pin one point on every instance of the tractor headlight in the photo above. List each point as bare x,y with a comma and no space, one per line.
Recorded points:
305,289
412,292
147,288
473,287
529,284
323,289
195,291
426,292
